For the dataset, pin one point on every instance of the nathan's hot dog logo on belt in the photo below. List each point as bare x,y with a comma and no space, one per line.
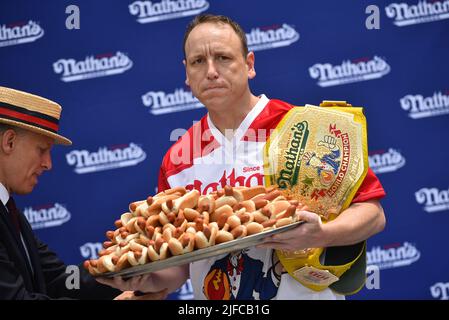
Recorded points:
288,176
316,155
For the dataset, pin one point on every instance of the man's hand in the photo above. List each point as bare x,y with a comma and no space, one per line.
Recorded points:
310,234
142,283
131,295
357,223
171,278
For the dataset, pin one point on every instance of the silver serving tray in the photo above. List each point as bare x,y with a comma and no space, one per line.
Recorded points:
199,254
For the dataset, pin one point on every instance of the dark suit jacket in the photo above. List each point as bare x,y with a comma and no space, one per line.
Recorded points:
17,281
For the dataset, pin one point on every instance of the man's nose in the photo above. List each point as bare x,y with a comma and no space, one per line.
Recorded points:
46,161
212,72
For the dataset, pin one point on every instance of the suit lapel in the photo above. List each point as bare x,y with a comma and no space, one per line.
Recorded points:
15,248
30,241
8,223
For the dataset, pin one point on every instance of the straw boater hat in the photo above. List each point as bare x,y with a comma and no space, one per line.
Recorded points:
31,112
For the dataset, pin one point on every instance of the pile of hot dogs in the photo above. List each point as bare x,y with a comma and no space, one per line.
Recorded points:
178,221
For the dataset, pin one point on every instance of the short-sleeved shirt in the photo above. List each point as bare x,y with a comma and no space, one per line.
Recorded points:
206,160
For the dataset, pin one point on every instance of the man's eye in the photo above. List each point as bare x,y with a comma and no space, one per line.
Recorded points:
223,58
197,61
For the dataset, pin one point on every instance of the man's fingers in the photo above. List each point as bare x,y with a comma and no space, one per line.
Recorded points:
308,216
126,295
129,284
282,237
108,282
121,284
134,281
139,281
116,282
135,295
153,295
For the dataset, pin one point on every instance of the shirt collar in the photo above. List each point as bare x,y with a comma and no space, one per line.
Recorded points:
244,125
4,194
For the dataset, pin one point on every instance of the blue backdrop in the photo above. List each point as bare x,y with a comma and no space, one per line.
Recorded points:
120,80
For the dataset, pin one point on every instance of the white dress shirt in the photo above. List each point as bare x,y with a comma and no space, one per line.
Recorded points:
4,194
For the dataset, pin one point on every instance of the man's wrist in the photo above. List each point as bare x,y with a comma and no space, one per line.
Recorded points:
327,238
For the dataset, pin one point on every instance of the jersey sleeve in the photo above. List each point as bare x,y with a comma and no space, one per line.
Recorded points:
371,188
162,182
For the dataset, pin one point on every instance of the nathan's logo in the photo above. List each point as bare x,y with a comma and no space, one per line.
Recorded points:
433,199
47,216
405,14
271,37
92,67
440,290
349,71
147,11
160,102
419,106
106,158
231,180
288,176
90,250
386,161
19,33
393,256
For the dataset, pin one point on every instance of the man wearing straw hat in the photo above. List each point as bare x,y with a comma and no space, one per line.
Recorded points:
28,269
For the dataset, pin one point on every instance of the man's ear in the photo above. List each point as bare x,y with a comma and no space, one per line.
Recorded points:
250,60
8,141
187,78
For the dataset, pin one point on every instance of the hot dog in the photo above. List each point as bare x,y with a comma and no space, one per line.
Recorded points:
177,221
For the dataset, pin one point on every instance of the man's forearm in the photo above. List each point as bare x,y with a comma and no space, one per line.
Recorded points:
357,223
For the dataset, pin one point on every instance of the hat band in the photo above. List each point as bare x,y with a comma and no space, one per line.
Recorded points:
33,118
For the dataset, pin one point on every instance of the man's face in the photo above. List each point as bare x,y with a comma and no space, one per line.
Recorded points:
29,159
216,70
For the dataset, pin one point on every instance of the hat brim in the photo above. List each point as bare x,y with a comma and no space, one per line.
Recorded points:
58,138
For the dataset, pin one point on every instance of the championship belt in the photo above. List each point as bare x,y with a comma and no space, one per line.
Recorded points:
319,156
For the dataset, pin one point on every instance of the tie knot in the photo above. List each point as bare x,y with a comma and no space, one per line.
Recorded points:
11,205
14,213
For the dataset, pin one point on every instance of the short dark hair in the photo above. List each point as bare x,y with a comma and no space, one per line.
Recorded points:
211,18
5,127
